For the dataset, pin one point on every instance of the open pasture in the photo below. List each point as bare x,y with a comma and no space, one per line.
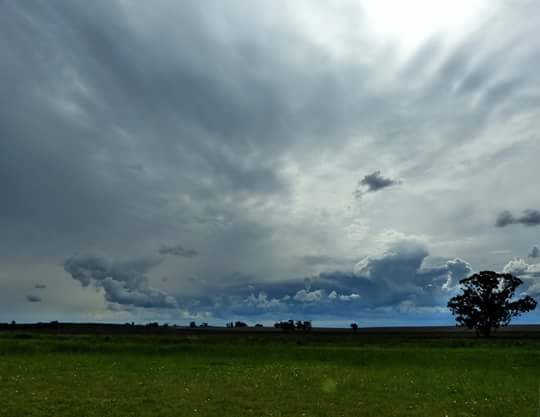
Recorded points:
222,374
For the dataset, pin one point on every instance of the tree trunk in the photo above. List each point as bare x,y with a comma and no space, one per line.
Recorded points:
485,331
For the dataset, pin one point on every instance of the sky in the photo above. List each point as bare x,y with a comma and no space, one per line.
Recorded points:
263,160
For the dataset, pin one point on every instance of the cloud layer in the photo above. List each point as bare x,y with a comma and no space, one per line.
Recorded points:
178,250
239,129
123,283
396,279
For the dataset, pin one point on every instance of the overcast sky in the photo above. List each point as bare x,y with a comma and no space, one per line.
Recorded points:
261,160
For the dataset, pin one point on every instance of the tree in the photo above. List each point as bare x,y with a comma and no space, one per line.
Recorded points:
486,301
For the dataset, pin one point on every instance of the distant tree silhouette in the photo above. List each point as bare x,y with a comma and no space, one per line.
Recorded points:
192,324
285,325
354,326
306,325
485,302
240,324
291,325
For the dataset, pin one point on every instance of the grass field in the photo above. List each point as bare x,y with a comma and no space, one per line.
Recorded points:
205,375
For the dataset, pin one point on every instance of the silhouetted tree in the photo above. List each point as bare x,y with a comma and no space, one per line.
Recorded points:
354,326
292,325
285,325
486,301
192,324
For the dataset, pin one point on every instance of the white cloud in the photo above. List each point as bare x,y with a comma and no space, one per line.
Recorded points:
304,296
529,273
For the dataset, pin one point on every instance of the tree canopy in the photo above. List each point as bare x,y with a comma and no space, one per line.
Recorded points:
487,301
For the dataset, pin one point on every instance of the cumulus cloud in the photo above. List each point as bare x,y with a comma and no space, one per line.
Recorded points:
517,266
335,296
401,272
123,283
528,218
396,277
535,252
177,250
33,299
374,182
306,296
457,270
262,302
529,273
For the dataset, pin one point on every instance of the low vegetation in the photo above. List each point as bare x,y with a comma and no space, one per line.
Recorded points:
263,375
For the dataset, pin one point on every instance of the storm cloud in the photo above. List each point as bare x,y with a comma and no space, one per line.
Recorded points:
239,129
374,182
396,278
528,218
122,283
33,299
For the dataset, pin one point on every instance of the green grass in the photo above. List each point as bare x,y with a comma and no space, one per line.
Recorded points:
223,376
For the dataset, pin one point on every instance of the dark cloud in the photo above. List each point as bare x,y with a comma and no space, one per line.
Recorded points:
123,283
40,286
125,125
528,218
535,252
93,116
178,250
394,279
33,299
504,219
374,182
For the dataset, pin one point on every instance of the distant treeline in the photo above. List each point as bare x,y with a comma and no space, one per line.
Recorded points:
152,327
